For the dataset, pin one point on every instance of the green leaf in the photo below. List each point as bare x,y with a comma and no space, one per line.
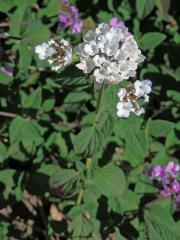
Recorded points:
128,201
163,7
88,142
136,147
159,127
36,33
3,152
7,179
76,97
63,183
33,100
5,79
72,78
160,224
175,95
109,180
144,7
81,226
22,129
151,40
6,5
105,124
25,57
48,104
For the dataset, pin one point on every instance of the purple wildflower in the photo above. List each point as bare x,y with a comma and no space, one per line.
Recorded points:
165,178
172,169
7,70
176,186
114,22
69,18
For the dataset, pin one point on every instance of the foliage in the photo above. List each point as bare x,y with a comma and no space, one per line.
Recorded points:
58,146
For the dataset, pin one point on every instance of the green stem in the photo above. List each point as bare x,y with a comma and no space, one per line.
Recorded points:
99,102
89,160
80,195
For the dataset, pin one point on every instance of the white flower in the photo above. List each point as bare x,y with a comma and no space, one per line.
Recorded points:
143,88
129,97
113,51
122,93
124,109
58,54
44,51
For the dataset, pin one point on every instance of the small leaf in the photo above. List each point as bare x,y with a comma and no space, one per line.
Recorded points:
151,40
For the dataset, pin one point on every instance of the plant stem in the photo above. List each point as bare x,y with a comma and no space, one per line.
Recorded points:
80,195
99,102
8,114
89,160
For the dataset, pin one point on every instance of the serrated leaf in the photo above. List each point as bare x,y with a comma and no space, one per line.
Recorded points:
109,180
88,142
72,78
81,226
159,223
63,183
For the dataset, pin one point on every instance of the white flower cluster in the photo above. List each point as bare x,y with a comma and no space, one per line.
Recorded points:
129,98
58,54
109,54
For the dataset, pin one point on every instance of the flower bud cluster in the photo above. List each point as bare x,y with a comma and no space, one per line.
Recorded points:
129,97
109,54
59,54
166,178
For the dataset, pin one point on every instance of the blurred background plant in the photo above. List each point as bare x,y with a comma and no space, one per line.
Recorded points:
46,189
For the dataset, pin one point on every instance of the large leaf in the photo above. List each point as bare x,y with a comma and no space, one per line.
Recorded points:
151,40
109,180
160,224
88,142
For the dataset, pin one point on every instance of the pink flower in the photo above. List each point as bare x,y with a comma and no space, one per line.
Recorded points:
114,22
